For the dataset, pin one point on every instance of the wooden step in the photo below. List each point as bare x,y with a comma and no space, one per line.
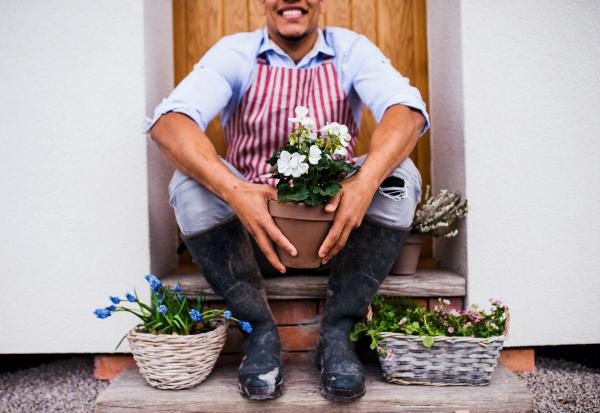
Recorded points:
425,283
129,392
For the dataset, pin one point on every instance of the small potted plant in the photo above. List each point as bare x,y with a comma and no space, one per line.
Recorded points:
309,167
433,217
439,347
178,341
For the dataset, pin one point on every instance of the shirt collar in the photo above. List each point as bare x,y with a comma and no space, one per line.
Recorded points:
321,45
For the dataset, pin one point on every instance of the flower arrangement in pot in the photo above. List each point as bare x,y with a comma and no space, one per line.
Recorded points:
439,346
309,167
434,217
179,339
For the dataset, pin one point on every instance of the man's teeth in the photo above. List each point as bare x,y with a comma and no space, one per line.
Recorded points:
291,12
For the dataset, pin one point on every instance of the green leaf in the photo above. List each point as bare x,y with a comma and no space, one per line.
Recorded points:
373,345
428,341
314,198
329,189
296,193
353,336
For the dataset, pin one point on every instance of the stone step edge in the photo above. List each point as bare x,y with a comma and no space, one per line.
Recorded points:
424,283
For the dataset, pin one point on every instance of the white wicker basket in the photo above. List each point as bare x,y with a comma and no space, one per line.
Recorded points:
451,361
174,362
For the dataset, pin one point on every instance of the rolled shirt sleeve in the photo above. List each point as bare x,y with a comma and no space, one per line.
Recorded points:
378,84
215,82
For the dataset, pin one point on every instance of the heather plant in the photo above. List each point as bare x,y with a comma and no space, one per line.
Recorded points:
309,165
437,214
170,311
407,316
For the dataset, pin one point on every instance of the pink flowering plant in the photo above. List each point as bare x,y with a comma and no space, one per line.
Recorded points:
310,164
407,316
170,312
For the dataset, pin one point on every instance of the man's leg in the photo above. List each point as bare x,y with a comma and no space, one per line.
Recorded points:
356,274
221,247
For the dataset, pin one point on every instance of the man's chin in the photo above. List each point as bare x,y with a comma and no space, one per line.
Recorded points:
292,37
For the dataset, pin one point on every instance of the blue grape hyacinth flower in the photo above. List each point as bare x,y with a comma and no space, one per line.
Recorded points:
115,300
130,297
227,314
160,300
181,297
196,316
176,288
111,308
155,283
162,309
102,313
246,326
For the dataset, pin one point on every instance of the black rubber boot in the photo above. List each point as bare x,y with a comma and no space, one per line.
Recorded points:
224,256
359,269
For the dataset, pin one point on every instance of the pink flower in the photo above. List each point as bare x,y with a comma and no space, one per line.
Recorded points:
451,329
494,326
402,321
389,357
447,302
498,302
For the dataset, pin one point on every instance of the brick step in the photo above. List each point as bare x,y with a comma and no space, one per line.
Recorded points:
129,392
425,283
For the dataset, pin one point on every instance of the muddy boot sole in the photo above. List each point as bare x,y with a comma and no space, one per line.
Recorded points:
262,393
339,395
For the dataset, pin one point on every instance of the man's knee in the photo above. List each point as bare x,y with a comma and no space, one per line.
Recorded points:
197,209
395,201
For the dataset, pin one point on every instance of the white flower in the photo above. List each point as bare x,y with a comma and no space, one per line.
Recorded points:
315,155
300,167
286,163
308,122
340,151
345,136
325,129
343,143
301,111
343,129
312,136
334,128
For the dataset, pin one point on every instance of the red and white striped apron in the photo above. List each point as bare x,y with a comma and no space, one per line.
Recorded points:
260,123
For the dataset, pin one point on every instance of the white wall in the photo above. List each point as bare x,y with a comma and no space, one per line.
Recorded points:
515,90
74,212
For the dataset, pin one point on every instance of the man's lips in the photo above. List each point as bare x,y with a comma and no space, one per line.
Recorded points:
291,12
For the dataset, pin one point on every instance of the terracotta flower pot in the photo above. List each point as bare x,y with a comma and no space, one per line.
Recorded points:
408,258
306,227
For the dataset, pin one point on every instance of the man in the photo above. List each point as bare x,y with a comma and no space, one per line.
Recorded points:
255,80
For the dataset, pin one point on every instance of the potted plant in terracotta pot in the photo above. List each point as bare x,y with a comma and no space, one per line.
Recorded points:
309,168
434,217
178,340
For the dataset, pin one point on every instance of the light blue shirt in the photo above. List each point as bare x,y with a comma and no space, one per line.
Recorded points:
227,70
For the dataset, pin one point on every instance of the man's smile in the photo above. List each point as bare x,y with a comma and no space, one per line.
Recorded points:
292,12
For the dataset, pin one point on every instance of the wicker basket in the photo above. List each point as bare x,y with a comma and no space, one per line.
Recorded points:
451,361
175,362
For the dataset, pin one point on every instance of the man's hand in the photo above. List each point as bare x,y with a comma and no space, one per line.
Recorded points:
351,204
250,204
391,143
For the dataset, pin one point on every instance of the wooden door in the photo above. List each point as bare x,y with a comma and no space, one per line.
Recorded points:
397,27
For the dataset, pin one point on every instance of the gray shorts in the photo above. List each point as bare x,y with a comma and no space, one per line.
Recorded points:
198,210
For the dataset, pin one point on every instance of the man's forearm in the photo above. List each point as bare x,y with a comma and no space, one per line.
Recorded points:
192,152
392,142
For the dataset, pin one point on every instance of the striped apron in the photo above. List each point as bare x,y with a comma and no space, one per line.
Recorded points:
260,123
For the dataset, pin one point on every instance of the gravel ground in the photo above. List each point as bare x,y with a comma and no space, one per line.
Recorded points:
69,386
563,386
61,386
